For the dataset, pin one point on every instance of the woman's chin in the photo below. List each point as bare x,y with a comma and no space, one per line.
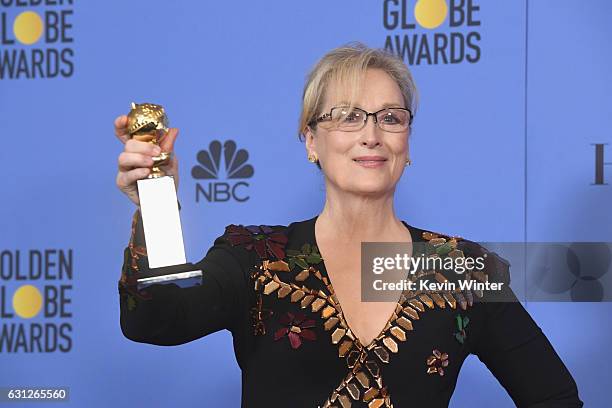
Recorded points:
373,188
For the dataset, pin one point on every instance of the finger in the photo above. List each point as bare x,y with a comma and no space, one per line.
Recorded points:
128,178
173,161
172,167
121,128
128,161
167,142
136,146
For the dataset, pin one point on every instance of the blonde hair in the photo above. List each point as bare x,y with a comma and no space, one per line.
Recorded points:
346,66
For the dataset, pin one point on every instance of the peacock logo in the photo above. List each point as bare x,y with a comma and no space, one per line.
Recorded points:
430,13
210,162
222,161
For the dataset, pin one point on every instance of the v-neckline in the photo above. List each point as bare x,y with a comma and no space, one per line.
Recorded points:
414,237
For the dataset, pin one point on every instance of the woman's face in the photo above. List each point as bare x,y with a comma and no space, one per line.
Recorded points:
369,161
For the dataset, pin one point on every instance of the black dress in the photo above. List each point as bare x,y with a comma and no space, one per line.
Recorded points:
269,287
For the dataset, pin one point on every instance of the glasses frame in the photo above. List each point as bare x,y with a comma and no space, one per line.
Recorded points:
327,116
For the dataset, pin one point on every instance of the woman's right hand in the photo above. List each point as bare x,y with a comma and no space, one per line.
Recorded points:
135,161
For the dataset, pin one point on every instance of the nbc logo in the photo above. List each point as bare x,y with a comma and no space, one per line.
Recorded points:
209,167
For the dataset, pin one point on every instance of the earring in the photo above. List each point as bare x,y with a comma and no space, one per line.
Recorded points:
408,161
312,158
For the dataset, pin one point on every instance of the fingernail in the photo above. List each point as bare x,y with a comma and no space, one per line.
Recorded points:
156,150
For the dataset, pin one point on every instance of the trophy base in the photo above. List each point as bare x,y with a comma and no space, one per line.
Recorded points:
184,276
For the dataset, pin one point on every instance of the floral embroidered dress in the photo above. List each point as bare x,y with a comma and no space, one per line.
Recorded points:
268,286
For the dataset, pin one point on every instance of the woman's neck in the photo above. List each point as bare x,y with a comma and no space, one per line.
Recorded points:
350,218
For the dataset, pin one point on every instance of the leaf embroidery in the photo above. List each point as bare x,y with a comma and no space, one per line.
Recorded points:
306,257
462,322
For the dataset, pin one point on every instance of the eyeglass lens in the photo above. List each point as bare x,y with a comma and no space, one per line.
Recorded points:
390,119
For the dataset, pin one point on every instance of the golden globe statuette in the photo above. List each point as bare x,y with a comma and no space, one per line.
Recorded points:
161,221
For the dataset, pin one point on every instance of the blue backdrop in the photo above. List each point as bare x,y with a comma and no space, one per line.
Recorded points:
515,96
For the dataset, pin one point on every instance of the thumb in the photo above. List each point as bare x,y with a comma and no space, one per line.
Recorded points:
167,142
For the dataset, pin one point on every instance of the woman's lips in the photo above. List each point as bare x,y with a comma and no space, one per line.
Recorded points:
370,161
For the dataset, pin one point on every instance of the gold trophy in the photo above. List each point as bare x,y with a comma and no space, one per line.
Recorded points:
161,221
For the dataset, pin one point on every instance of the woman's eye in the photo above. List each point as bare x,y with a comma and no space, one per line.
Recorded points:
351,117
390,119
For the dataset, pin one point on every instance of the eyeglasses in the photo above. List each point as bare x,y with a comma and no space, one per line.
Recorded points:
389,119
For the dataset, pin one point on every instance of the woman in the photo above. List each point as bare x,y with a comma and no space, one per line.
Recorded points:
290,295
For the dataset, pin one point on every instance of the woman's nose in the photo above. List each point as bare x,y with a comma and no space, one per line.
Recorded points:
371,133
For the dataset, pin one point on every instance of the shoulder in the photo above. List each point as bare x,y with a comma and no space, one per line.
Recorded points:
268,241
261,240
495,268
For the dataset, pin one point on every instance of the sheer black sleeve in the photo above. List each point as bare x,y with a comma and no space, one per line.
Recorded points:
517,352
166,314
